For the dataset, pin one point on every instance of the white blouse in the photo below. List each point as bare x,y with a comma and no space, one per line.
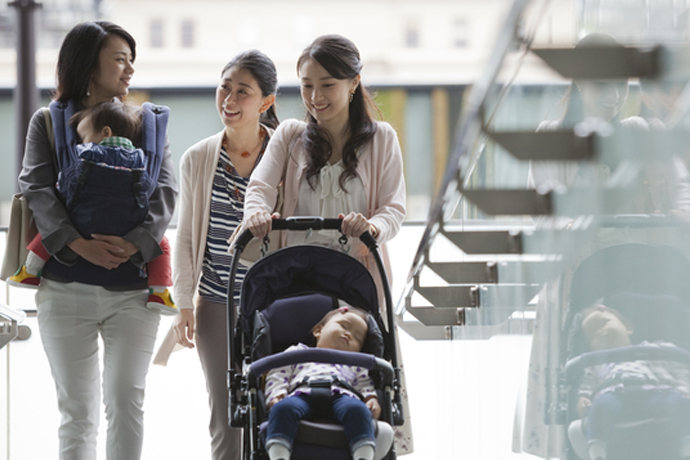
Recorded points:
327,200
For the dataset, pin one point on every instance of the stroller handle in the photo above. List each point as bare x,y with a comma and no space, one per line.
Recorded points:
303,223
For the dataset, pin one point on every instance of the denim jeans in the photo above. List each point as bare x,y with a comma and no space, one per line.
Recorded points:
352,413
610,409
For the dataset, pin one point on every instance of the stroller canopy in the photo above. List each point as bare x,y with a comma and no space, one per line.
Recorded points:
299,270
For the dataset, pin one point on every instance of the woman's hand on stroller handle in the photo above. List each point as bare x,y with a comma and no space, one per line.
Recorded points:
354,224
260,223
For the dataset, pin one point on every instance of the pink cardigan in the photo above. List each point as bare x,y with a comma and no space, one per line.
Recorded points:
380,169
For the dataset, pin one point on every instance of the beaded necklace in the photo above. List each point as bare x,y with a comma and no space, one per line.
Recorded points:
233,171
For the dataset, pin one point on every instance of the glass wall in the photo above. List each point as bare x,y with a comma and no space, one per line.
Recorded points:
566,213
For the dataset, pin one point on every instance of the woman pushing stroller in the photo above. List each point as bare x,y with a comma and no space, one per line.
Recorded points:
340,163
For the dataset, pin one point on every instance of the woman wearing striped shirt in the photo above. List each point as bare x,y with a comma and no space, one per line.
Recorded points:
213,178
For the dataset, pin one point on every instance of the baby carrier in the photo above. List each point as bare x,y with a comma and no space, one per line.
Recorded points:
105,189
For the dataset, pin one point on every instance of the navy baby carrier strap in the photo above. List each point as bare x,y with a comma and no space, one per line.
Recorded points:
65,136
154,127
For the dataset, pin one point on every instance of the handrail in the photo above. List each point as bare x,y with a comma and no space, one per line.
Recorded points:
468,130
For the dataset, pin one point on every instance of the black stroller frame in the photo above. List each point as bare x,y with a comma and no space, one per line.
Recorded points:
243,375
653,277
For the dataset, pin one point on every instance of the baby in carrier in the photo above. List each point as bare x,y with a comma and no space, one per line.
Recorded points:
342,392
106,131
619,392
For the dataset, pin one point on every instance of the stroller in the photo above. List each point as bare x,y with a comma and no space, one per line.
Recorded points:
650,287
284,294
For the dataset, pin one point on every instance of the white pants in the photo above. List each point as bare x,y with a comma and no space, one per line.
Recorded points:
71,316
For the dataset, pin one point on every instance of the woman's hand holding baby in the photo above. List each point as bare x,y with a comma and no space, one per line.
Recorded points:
128,248
101,253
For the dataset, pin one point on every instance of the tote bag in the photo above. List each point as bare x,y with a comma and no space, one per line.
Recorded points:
22,228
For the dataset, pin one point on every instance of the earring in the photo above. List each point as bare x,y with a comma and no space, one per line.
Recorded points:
88,92
352,96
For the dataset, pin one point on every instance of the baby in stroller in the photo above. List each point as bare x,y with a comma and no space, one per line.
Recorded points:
345,393
618,391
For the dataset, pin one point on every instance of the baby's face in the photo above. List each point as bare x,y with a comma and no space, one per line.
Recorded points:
604,330
88,133
345,331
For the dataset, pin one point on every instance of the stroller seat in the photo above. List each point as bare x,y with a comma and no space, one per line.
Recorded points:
289,321
648,286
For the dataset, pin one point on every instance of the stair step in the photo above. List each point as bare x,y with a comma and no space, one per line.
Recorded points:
465,272
488,316
468,296
603,62
511,201
450,296
488,242
440,330
495,272
432,316
562,144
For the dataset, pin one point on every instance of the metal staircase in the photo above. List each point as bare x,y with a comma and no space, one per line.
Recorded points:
504,257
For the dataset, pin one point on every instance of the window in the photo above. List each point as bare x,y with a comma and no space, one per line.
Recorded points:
187,30
412,35
460,33
156,31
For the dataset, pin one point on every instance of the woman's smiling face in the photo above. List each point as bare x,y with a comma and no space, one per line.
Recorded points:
239,99
603,98
325,97
115,69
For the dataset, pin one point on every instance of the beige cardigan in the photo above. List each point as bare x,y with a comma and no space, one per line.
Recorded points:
197,168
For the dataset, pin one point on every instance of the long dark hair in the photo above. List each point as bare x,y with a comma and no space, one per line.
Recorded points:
340,57
78,57
264,72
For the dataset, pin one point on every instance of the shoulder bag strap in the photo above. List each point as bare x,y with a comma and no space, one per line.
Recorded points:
51,136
